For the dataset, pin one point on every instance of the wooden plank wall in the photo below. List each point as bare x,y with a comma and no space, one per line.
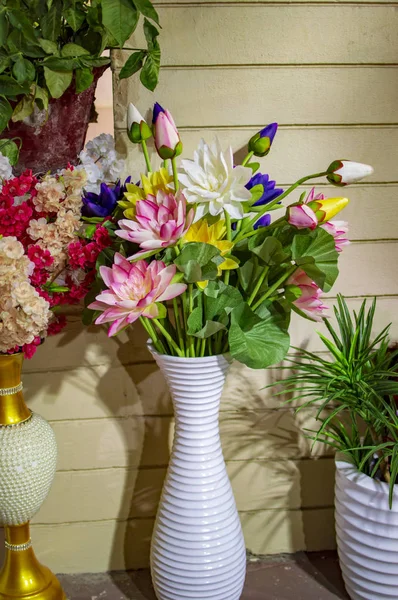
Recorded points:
327,72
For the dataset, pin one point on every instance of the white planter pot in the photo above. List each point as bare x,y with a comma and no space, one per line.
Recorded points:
367,535
198,550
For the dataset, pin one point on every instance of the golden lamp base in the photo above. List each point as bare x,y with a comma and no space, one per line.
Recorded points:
22,577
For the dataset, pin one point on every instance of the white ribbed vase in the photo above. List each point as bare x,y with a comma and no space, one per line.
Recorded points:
198,550
367,535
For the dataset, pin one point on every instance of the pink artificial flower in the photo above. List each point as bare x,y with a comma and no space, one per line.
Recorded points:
312,196
309,302
167,139
159,222
134,289
339,230
302,216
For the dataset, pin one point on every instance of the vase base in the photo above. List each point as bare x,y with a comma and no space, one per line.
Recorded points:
24,578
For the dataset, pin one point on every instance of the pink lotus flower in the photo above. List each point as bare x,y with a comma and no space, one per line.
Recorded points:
159,221
134,290
339,230
309,302
167,139
302,216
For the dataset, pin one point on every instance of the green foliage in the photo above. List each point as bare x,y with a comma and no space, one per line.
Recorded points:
354,392
50,44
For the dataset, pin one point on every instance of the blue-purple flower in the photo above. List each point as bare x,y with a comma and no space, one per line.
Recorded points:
263,221
270,192
260,144
104,203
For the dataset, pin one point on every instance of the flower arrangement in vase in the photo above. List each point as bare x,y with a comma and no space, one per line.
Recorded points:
197,259
40,221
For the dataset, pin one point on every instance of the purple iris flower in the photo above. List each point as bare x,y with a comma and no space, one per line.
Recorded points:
263,221
104,203
270,191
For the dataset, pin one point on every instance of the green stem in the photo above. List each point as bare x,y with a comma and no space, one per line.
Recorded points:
228,225
203,347
274,287
269,206
178,324
175,174
168,337
190,308
146,155
258,285
152,334
247,158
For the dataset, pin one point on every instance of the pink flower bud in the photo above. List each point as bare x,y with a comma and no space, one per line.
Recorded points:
302,216
167,139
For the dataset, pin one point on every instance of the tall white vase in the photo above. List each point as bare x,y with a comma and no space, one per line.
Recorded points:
198,550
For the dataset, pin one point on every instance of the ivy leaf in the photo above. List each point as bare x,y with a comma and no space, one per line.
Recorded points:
10,149
5,113
146,8
48,46
23,70
133,64
51,22
84,78
57,81
23,109
315,253
74,17
150,71
254,341
73,50
11,87
120,17
3,27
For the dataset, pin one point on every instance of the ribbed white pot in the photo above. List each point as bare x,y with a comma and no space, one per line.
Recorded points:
367,535
198,550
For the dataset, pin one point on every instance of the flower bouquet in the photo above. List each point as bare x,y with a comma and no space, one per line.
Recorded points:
197,258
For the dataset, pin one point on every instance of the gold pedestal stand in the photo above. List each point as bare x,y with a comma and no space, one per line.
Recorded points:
22,577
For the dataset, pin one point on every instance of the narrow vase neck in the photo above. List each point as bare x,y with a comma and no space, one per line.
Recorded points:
13,409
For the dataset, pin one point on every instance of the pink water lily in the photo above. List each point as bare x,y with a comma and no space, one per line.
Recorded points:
159,222
134,290
302,216
309,302
339,230
167,138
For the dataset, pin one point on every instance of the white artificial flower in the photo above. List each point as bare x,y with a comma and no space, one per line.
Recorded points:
212,183
101,162
133,116
344,172
5,169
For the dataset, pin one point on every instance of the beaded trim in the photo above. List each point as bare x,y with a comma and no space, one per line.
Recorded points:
11,390
18,547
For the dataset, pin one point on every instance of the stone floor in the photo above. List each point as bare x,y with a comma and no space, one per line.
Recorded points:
313,576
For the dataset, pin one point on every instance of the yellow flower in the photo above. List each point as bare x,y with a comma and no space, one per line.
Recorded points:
212,234
151,184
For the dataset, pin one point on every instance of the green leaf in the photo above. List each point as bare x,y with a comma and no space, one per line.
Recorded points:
51,22
133,64
315,253
120,17
101,61
62,64
23,70
270,251
48,46
3,27
11,87
10,149
151,33
23,109
146,8
20,21
210,328
57,82
17,43
256,342
256,191
198,261
150,71
74,17
220,298
41,97
73,50
84,78
254,166
5,62
5,112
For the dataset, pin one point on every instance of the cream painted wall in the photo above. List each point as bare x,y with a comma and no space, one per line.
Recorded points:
328,73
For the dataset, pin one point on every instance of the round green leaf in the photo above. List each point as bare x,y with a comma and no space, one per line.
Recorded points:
57,81
23,70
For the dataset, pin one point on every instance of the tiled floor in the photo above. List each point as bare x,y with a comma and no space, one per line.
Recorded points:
314,576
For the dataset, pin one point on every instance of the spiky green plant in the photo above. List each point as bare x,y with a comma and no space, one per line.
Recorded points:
353,393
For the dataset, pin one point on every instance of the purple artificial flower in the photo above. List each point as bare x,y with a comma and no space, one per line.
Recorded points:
104,203
263,221
270,192
260,144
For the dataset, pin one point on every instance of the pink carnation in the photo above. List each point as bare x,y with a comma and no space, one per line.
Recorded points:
134,289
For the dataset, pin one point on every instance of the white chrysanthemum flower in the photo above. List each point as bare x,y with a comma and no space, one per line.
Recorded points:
212,183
